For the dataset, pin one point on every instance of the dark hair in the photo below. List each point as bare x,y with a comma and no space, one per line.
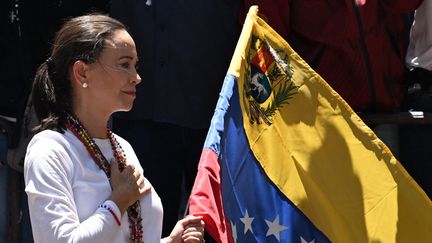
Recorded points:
80,38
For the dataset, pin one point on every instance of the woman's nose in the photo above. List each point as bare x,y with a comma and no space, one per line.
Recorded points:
137,79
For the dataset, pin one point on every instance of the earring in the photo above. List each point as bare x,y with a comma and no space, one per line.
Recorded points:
85,85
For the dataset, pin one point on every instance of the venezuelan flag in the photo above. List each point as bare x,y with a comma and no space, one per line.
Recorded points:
287,160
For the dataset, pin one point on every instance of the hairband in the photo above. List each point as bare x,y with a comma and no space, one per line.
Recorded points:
51,64
49,61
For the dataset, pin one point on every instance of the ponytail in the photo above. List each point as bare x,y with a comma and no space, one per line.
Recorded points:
47,104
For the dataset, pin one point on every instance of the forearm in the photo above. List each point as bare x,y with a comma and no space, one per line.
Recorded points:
52,223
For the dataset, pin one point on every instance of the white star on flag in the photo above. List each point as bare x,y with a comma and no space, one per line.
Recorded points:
305,241
275,228
247,221
234,232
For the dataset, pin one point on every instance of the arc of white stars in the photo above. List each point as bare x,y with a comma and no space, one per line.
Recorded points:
305,241
234,232
247,221
275,228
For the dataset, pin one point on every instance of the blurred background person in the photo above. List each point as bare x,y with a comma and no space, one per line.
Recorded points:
357,46
415,151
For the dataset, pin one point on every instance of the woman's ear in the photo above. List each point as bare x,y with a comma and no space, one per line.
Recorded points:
79,73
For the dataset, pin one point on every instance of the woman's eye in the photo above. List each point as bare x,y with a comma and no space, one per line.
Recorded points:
125,65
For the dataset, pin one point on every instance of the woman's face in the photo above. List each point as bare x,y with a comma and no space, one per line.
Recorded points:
113,77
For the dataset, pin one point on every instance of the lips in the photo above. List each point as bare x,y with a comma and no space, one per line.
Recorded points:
131,93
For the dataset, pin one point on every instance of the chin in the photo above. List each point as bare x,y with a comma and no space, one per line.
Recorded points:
125,105
124,108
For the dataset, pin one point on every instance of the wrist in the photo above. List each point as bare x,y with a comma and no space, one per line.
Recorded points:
113,209
121,204
167,240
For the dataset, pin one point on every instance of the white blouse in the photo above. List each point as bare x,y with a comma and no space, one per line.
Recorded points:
65,187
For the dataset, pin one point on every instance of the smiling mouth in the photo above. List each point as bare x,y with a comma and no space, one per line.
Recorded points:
131,93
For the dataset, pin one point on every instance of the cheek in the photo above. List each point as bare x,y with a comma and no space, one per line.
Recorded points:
104,91
111,85
107,85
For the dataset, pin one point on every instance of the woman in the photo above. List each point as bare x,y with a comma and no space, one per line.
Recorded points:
84,183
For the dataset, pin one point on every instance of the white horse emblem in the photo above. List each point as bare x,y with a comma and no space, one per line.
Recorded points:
257,86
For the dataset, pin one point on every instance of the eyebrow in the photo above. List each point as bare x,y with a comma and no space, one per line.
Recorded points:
126,57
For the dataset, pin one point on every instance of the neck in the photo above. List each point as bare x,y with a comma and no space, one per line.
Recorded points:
92,115
96,124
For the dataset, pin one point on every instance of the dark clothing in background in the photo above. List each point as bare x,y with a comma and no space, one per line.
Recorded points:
415,142
358,49
184,50
25,39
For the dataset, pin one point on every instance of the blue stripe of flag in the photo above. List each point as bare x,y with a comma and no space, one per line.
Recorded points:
245,186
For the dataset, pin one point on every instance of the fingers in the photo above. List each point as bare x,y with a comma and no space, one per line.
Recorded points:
137,180
129,177
114,168
141,182
145,189
192,239
128,170
193,229
194,233
128,185
192,219
189,230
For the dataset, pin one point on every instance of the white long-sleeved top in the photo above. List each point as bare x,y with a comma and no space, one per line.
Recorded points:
419,53
65,187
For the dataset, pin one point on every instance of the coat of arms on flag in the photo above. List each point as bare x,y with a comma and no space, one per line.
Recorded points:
268,76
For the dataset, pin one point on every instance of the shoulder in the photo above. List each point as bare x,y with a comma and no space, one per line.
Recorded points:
46,140
49,140
48,149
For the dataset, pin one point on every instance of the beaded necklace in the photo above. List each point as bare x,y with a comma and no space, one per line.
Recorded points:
134,211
